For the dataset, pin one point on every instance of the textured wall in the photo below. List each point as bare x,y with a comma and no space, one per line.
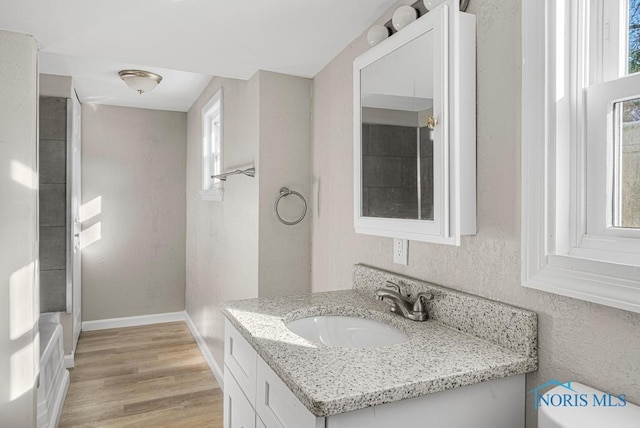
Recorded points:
578,341
133,187
236,248
52,85
19,312
222,237
285,160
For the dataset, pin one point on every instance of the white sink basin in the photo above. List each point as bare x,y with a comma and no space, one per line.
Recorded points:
347,332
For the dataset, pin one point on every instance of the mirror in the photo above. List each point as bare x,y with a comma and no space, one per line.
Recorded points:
414,131
397,146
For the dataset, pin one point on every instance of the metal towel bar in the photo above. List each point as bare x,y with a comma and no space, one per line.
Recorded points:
249,172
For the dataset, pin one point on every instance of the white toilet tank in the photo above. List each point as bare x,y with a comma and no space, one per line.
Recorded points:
584,407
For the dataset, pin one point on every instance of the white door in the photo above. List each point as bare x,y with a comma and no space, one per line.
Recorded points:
74,295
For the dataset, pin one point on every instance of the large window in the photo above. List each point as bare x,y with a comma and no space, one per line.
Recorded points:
581,149
212,148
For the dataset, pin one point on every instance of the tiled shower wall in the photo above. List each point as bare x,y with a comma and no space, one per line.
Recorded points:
389,171
53,206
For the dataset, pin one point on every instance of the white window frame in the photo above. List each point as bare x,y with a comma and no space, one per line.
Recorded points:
212,189
568,244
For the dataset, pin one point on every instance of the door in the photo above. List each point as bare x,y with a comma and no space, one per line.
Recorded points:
74,291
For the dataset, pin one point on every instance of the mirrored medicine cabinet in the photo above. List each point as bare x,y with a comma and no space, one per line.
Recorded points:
414,131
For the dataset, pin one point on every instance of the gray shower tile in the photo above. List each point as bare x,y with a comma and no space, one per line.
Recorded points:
387,140
365,139
52,248
393,202
365,202
53,290
409,172
426,173
53,118
53,204
427,188
426,143
382,171
53,166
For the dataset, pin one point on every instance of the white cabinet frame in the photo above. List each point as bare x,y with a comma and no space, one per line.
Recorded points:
454,136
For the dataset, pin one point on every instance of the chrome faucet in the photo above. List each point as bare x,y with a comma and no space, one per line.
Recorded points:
416,310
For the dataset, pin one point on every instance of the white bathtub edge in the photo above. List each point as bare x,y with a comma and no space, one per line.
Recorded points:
213,365
133,321
62,394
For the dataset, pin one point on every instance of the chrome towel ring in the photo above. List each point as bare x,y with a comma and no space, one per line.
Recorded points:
284,191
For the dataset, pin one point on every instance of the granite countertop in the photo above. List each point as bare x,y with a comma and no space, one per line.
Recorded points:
437,357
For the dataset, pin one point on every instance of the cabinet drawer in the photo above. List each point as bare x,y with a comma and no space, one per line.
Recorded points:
240,358
277,406
238,413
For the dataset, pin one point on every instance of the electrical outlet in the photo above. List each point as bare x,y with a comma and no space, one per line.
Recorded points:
400,251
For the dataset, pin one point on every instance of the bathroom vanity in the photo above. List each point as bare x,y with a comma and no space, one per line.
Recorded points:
472,353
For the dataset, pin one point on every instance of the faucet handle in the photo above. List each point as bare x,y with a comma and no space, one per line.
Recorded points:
421,300
393,285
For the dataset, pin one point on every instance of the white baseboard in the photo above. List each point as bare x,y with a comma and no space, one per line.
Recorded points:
133,321
215,368
69,361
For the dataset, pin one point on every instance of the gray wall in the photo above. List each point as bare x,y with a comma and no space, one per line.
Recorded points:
52,85
237,248
133,169
579,341
19,309
53,204
222,237
285,160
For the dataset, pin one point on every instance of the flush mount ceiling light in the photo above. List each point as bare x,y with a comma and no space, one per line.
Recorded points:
140,80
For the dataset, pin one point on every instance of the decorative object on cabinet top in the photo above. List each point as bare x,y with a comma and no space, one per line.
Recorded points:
375,34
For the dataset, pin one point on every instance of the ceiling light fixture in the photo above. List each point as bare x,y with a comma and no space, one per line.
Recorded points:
140,80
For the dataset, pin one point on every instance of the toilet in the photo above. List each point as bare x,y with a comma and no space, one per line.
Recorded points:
586,414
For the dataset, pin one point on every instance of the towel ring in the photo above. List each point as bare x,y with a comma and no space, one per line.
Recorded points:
286,192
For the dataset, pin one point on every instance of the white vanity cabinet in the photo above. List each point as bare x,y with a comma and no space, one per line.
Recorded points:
255,397
238,412
415,131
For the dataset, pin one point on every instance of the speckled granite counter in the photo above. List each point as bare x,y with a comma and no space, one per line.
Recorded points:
491,341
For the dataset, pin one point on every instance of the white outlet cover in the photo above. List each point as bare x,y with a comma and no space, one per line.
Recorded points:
401,251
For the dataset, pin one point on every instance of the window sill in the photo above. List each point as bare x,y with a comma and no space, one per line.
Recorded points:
212,195
604,283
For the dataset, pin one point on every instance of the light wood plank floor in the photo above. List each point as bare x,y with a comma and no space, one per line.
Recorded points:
149,376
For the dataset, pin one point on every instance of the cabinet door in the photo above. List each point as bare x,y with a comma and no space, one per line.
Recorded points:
401,132
277,406
240,358
414,131
238,412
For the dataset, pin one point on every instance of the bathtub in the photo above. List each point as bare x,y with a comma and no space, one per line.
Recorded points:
54,378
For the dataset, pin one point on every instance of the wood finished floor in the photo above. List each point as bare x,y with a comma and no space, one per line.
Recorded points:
149,376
